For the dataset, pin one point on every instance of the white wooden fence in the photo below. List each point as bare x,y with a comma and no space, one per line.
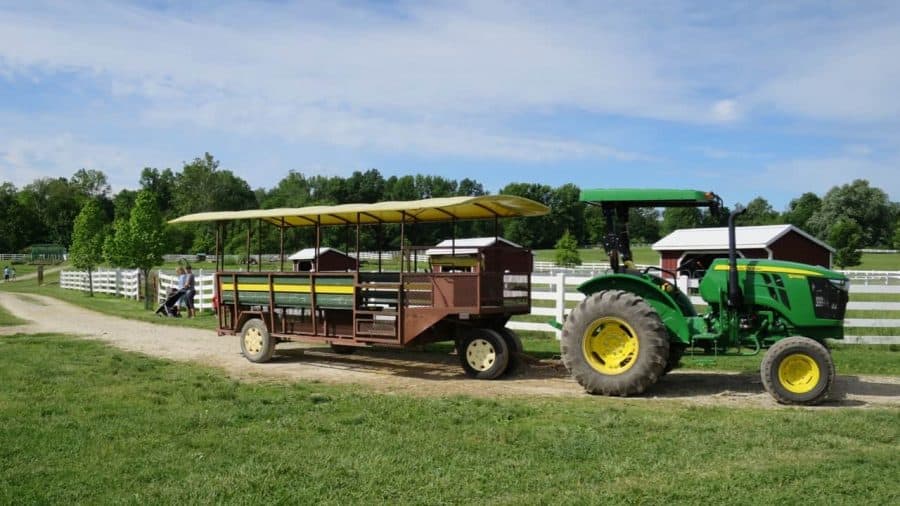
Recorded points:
560,288
125,283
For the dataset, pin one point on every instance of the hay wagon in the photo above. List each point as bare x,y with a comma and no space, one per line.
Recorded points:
465,291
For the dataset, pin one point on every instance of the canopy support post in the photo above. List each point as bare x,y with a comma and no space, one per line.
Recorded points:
402,239
357,244
281,245
249,233
219,246
259,245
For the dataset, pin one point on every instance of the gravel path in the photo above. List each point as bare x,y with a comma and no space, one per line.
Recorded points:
410,372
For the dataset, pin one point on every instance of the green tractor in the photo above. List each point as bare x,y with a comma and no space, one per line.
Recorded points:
634,325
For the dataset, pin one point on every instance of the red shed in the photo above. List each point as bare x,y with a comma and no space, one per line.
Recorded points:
776,242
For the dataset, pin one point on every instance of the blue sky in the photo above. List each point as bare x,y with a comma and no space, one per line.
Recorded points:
744,98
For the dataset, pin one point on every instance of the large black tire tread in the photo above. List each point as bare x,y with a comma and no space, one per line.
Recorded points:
268,343
790,346
514,343
653,343
501,353
676,351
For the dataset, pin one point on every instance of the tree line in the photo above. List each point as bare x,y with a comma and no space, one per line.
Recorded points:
45,211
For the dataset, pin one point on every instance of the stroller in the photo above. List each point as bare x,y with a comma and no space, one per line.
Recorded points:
169,307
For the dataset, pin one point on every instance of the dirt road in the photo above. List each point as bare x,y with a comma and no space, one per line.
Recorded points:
415,373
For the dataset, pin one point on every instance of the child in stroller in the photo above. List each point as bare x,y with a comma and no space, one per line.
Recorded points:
169,307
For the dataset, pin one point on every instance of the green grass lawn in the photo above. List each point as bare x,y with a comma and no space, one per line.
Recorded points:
7,319
84,423
879,262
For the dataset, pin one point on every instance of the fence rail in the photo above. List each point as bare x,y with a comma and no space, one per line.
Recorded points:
560,289
125,283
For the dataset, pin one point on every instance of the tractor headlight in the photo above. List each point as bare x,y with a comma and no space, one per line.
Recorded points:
841,284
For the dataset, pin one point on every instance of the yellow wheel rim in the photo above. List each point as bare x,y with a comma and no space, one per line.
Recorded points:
480,354
610,345
253,340
798,373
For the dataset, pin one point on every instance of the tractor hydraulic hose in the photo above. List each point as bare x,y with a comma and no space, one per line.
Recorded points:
734,292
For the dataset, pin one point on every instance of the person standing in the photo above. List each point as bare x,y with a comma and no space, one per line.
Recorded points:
190,291
6,273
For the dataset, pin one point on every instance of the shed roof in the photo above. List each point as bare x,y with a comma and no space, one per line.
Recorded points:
469,246
310,253
712,239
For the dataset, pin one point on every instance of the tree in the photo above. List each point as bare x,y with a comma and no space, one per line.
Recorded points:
675,218
801,209
139,242
567,251
643,225
759,212
897,237
91,183
86,251
846,238
868,207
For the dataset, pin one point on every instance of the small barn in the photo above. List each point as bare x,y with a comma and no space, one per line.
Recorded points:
775,242
329,259
479,254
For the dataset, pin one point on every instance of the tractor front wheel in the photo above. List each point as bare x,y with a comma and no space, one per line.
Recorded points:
256,343
614,343
484,354
798,370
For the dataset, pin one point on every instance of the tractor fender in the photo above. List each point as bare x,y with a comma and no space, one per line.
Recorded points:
669,311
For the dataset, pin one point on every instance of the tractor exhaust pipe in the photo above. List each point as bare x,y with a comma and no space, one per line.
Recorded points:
734,292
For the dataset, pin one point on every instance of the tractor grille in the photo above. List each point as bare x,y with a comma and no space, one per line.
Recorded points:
829,301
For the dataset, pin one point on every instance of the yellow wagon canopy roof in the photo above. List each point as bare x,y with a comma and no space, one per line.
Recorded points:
411,211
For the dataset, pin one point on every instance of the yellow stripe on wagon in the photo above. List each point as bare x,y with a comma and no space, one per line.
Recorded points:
326,289
771,269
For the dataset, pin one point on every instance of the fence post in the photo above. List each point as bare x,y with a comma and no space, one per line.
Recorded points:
560,301
200,289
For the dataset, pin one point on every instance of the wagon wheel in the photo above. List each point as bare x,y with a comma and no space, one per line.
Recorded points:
514,343
256,343
484,354
798,370
614,343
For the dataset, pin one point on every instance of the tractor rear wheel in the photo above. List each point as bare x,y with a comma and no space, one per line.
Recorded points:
798,370
484,354
256,343
614,343
676,351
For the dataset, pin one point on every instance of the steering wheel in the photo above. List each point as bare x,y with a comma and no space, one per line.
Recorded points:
688,266
654,268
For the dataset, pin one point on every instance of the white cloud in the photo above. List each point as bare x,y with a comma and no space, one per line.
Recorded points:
725,110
